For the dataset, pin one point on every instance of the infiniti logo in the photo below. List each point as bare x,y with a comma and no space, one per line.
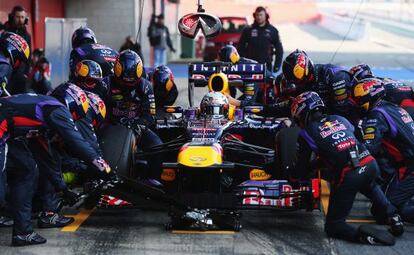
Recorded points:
338,135
190,24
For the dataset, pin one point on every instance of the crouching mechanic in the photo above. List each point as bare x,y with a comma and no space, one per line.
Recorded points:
395,91
49,217
388,127
24,119
132,102
14,51
350,169
165,89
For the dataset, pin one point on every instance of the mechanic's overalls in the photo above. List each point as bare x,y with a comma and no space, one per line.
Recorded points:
25,115
390,126
351,169
399,94
6,71
47,191
22,119
138,104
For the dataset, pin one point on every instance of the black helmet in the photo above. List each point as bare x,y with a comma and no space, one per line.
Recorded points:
303,105
361,71
367,93
15,48
97,108
88,74
229,54
162,79
298,67
128,68
73,97
83,35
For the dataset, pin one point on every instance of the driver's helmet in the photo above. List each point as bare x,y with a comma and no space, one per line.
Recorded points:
83,35
214,104
229,54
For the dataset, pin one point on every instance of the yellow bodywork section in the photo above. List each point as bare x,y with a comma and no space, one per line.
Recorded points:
199,156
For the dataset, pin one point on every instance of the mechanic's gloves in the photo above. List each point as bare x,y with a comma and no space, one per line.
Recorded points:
70,198
101,165
3,84
173,50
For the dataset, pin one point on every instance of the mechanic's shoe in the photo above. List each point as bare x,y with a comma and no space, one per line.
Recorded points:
372,236
53,220
6,221
29,239
396,224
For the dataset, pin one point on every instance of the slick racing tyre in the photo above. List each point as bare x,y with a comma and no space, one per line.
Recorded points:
285,149
118,147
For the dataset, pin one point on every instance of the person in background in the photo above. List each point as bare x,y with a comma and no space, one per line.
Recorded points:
159,38
39,75
261,41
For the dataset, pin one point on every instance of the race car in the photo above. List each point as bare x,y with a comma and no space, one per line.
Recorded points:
213,166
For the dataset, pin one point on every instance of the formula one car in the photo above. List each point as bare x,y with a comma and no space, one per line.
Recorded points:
213,166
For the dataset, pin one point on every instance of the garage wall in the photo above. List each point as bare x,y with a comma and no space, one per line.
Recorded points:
111,20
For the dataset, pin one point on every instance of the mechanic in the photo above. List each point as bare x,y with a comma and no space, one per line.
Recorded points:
14,51
331,82
85,46
250,91
24,118
88,76
39,74
395,91
132,102
261,41
165,89
350,169
49,217
388,127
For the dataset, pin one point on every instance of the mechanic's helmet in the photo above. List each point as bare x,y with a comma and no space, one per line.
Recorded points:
88,74
15,48
367,93
304,104
229,54
361,71
73,97
128,68
214,104
83,35
97,108
162,79
298,67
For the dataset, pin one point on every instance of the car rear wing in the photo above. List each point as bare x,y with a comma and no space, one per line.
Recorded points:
200,72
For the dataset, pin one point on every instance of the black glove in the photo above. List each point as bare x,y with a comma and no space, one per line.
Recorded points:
173,50
70,198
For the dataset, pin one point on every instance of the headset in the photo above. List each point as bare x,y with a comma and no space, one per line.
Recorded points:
17,8
259,9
